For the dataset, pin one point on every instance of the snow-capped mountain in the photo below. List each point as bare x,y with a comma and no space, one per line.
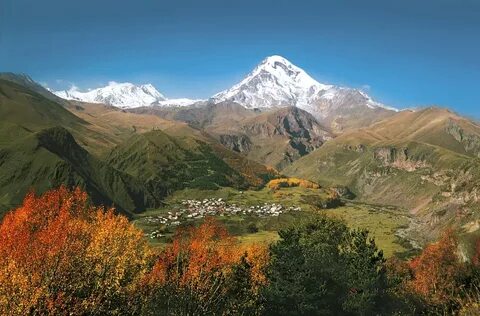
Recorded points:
276,82
177,102
123,95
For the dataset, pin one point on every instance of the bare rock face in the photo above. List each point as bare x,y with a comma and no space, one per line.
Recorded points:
277,137
470,142
397,158
238,143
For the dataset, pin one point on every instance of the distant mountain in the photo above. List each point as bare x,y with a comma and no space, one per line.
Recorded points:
124,95
276,82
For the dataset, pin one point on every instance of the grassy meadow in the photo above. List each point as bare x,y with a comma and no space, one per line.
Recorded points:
381,221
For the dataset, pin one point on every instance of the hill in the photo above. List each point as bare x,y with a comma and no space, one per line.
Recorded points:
52,157
426,161
168,163
24,111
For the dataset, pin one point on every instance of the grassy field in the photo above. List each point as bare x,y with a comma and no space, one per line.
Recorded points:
381,221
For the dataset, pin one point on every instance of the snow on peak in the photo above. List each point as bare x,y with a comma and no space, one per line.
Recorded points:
123,95
276,82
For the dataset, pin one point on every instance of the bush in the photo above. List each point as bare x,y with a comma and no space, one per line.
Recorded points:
252,228
205,271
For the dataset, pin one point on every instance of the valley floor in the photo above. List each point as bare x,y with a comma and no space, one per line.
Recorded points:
256,216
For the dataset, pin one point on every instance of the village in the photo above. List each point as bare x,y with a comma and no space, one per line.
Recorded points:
190,210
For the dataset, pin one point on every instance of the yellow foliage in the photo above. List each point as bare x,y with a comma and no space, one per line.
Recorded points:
291,182
59,255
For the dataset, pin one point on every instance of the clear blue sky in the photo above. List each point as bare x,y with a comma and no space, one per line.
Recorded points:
409,52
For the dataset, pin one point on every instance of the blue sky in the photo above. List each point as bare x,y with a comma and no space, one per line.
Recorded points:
405,53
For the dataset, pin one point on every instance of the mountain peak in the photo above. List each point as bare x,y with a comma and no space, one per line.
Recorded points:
123,94
275,82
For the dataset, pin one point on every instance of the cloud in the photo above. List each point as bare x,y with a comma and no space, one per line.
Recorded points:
73,87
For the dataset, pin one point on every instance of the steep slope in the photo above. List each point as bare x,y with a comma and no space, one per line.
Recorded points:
425,161
167,163
27,82
51,157
276,82
24,111
23,106
277,137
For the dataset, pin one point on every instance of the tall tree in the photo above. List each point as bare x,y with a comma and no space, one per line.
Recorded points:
321,267
60,255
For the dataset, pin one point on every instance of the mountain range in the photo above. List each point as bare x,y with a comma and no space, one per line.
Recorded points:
130,146
274,83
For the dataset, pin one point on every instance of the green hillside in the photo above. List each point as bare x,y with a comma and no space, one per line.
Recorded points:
168,163
24,111
119,158
51,157
424,161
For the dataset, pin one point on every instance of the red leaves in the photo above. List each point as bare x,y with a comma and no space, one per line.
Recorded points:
437,270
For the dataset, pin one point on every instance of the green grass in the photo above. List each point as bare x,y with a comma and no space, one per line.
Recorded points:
381,221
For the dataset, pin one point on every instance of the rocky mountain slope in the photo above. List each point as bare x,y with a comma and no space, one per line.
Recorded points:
276,137
426,161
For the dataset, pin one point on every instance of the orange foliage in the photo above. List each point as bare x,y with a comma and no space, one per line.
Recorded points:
59,254
258,257
198,252
199,263
195,253
437,270
291,182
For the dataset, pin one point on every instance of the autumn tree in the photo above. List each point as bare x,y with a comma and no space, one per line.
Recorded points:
206,271
438,274
60,255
